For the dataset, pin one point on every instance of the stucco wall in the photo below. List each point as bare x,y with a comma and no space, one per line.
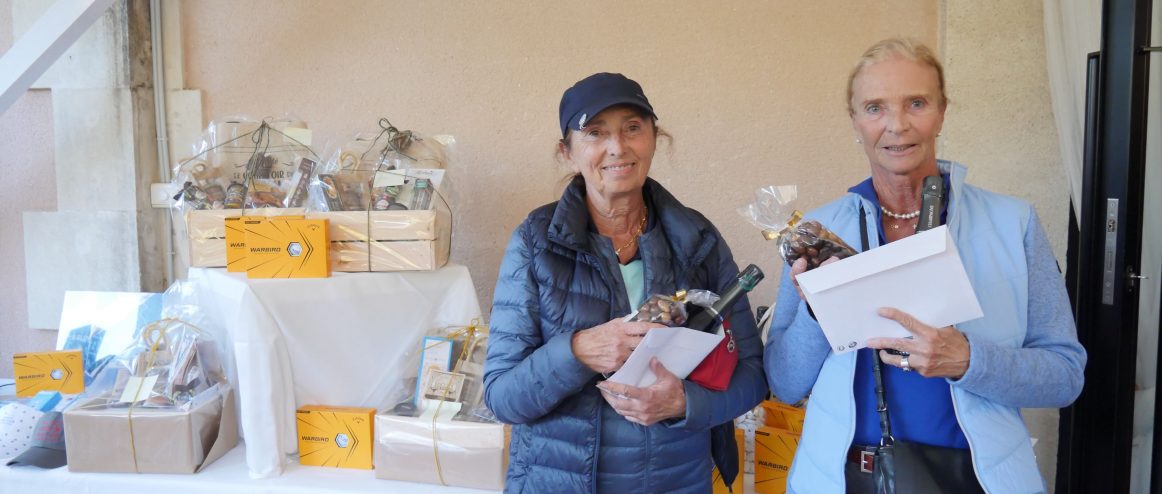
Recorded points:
752,92
29,184
1001,120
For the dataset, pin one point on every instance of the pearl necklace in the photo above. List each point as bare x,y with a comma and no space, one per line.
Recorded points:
641,225
900,216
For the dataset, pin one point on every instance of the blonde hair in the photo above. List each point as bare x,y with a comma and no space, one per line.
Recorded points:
907,48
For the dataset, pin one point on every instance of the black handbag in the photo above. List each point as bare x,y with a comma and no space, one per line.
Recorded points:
907,467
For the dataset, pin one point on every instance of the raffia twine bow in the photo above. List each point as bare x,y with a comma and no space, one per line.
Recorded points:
394,141
260,138
155,335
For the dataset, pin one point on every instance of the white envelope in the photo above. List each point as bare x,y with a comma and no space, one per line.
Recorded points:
679,350
921,275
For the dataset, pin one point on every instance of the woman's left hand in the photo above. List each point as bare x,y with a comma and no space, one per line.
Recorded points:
933,352
661,400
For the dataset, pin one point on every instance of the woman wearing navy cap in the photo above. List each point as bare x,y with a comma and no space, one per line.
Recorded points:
572,270
951,393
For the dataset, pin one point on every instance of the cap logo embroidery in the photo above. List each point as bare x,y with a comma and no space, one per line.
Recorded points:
581,123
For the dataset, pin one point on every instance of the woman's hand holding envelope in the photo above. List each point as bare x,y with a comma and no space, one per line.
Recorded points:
933,352
604,348
800,266
664,399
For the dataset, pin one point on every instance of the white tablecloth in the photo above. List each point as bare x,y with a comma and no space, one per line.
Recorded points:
228,475
329,341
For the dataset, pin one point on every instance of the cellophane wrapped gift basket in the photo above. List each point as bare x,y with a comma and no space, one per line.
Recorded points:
385,197
241,166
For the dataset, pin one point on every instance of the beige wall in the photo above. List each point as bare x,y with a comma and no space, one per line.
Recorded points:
29,184
1001,119
752,92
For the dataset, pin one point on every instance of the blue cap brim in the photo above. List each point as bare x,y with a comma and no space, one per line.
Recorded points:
576,122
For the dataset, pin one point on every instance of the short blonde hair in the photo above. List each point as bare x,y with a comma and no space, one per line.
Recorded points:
907,48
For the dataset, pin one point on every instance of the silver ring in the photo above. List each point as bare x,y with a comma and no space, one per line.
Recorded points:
904,364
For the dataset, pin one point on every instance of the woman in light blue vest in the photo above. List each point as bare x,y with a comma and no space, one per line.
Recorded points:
960,387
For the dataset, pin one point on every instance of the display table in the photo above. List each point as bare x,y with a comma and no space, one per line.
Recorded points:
228,475
329,341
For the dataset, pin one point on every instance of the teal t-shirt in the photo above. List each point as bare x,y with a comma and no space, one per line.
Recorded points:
634,276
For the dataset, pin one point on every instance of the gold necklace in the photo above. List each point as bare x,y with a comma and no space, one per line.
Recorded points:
896,224
641,225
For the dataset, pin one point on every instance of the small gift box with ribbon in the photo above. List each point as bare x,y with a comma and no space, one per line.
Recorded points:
440,432
167,408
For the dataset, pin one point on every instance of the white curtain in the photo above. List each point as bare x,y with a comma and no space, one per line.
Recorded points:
1072,31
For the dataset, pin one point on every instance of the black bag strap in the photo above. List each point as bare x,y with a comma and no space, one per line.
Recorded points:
886,438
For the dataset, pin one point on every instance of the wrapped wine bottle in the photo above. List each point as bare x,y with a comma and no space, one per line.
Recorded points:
716,369
708,318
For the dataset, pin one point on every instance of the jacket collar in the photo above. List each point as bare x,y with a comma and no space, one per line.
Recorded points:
686,232
956,176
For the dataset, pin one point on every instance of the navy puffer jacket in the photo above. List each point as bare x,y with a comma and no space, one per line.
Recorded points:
558,277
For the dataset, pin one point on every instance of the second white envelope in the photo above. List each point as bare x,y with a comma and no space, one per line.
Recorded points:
921,275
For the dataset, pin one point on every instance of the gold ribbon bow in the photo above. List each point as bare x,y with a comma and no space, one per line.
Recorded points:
772,234
472,334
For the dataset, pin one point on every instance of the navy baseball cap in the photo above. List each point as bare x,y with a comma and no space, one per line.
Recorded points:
591,95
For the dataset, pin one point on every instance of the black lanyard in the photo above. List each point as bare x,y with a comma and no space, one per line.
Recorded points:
886,438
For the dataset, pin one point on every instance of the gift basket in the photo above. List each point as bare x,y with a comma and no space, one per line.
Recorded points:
384,196
440,431
241,166
773,212
163,405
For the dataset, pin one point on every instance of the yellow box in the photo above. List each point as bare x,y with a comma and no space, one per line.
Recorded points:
336,436
236,240
206,231
235,245
783,416
286,248
773,451
716,478
49,371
